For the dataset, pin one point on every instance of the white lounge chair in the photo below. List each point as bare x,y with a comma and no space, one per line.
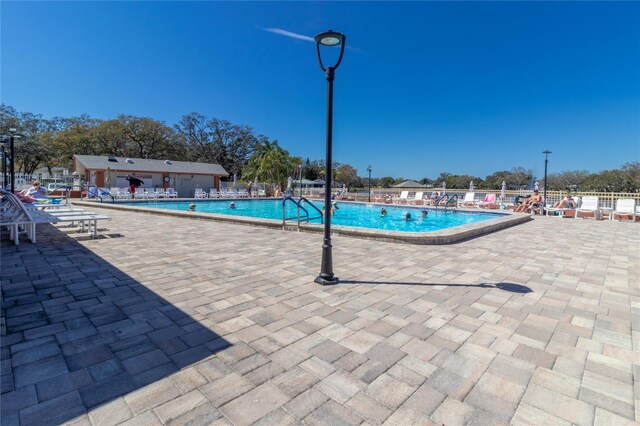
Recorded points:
404,196
213,193
140,193
562,210
625,207
262,193
418,197
589,205
468,200
199,193
489,202
171,193
122,193
160,193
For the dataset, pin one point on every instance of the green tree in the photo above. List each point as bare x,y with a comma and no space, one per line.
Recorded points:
566,180
147,138
605,181
270,163
346,175
313,170
386,182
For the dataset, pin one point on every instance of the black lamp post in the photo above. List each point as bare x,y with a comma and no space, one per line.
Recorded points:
546,153
369,170
4,167
300,186
12,136
328,38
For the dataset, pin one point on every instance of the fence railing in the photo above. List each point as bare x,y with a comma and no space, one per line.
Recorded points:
605,199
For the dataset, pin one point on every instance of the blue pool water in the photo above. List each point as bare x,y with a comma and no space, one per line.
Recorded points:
348,214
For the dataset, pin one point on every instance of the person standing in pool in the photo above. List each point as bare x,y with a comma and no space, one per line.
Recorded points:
383,212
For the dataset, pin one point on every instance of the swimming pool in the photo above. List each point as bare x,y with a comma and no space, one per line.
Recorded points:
362,220
348,214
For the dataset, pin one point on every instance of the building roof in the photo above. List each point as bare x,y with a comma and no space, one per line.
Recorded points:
409,184
102,162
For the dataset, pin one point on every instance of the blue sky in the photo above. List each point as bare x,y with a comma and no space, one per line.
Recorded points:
425,87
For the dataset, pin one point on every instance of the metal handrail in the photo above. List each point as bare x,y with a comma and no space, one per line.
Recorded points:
448,199
321,216
298,204
97,194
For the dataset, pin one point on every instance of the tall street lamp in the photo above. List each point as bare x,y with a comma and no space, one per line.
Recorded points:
369,170
4,167
328,38
546,153
300,187
12,136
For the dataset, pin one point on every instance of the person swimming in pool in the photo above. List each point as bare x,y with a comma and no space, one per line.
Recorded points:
192,207
407,216
232,205
383,212
424,213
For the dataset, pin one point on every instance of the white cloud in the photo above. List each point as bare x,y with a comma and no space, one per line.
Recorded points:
289,34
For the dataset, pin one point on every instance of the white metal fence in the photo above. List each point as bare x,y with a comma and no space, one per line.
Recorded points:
606,199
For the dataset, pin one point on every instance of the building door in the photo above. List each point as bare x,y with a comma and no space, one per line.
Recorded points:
99,178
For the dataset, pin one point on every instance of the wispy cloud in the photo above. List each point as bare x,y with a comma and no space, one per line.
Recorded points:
288,34
305,38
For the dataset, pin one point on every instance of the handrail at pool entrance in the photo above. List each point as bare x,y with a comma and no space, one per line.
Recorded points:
448,199
298,204
98,193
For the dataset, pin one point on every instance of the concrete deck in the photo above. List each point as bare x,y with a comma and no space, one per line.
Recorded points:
165,320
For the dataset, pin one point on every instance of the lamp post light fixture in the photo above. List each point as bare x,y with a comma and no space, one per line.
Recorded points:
546,153
369,170
328,38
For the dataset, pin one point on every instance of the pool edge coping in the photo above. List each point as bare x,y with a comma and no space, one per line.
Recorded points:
444,236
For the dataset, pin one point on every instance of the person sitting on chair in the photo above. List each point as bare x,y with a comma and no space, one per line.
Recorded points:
35,191
530,203
567,203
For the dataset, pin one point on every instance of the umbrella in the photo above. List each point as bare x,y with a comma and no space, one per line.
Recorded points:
502,191
444,187
289,182
471,186
107,178
536,186
134,180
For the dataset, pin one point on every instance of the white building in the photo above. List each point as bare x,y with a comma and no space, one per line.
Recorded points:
183,176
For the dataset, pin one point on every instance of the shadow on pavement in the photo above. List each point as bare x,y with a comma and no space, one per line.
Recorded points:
78,332
513,288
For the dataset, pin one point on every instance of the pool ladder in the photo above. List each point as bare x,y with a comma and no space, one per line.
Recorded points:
300,217
448,199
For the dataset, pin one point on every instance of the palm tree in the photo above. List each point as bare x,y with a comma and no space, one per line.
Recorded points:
270,163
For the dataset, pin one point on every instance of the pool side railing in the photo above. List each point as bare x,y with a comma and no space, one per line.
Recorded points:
298,204
605,199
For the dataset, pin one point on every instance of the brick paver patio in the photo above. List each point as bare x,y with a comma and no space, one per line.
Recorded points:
172,321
